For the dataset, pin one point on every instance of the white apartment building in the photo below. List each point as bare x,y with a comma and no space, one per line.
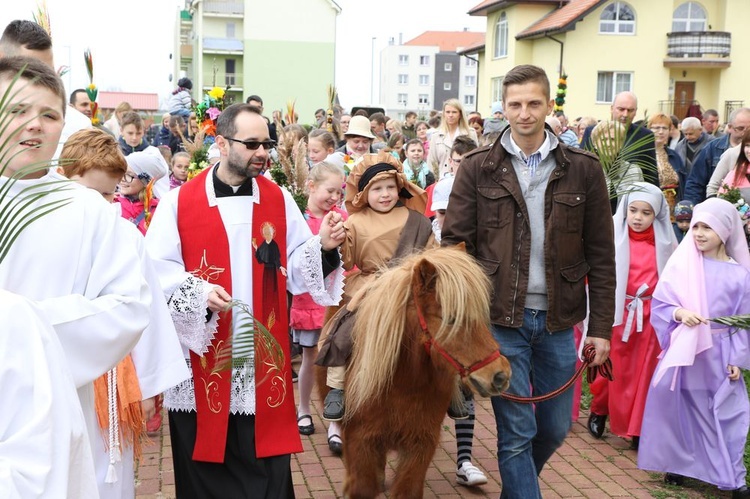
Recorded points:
422,73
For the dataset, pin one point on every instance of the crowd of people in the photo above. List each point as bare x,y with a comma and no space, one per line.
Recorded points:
130,283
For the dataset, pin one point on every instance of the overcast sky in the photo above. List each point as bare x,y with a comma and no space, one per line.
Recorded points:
131,40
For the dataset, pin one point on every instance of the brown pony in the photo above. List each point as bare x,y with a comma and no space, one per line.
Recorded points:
419,327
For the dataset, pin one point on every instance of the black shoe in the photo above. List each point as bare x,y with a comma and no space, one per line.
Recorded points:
305,429
675,479
333,409
596,425
295,376
740,493
334,444
458,410
634,443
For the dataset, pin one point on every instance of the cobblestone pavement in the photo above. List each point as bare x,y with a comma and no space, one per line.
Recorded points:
582,467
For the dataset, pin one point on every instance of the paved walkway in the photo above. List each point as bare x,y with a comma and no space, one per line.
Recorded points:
582,467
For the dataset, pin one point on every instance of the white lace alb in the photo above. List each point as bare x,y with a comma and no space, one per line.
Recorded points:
188,309
241,398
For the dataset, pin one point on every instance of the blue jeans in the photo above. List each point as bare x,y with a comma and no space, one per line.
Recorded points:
528,434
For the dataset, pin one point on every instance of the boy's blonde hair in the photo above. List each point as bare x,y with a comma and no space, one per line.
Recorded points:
92,149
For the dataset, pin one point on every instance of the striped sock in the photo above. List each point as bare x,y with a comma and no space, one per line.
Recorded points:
465,434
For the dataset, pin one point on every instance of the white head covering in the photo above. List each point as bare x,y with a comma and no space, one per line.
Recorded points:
148,164
442,193
214,153
665,240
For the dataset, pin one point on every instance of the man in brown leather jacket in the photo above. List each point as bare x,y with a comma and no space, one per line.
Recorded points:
536,215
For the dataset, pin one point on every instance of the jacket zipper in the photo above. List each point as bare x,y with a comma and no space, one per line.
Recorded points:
518,274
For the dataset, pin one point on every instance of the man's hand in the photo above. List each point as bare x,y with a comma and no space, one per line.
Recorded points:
602,350
332,232
218,299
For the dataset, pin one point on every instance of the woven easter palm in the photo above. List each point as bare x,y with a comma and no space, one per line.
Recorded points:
18,211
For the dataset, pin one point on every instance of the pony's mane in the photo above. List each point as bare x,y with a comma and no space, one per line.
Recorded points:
462,291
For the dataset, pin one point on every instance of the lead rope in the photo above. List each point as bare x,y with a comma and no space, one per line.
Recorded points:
589,354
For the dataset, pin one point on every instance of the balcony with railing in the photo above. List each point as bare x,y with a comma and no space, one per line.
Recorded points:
219,8
233,80
223,46
698,49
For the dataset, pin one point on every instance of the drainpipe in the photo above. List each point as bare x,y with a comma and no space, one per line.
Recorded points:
562,46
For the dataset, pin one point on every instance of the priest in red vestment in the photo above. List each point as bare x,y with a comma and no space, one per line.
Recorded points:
233,430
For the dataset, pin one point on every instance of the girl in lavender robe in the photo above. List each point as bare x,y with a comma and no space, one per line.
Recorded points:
697,412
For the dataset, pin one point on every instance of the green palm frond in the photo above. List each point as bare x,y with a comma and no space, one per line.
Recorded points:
21,209
617,157
733,321
252,340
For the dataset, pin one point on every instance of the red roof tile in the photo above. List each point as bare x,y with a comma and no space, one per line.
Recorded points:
472,49
562,19
140,102
448,41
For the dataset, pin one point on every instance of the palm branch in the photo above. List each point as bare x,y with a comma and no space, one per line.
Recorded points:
19,210
733,321
618,155
251,340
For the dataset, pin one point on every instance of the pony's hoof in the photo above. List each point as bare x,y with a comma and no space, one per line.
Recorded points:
335,445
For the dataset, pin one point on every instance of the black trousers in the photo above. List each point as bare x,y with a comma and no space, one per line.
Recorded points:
242,475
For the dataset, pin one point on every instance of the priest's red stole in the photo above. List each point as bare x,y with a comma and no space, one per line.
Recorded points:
205,252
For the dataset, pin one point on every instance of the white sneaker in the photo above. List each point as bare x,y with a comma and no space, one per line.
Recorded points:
469,475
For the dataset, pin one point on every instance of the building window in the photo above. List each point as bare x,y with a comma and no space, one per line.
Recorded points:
403,79
230,71
402,99
424,99
689,16
611,83
424,79
468,100
470,62
470,80
403,60
497,89
424,60
501,36
230,30
617,18
447,85
448,66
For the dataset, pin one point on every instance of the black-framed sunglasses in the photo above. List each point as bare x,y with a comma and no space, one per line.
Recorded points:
253,145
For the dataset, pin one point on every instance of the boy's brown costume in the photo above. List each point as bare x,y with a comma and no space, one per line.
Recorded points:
369,236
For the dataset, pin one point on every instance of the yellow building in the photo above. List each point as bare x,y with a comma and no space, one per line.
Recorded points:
677,56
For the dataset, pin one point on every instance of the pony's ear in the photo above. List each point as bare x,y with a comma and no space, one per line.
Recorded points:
425,277
461,246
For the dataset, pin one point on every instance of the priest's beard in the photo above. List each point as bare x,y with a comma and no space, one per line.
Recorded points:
241,167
